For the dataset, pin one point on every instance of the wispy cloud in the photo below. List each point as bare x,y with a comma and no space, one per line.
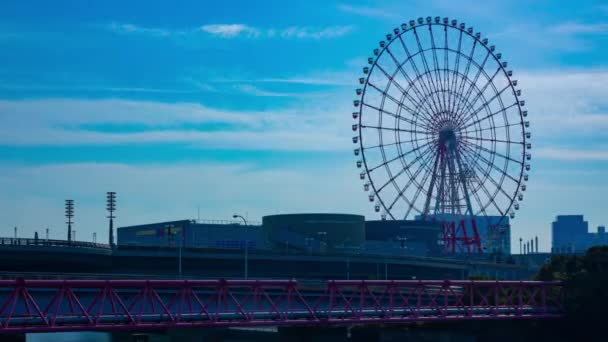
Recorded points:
312,33
570,154
66,122
252,90
134,29
566,104
366,11
99,88
231,30
236,30
578,28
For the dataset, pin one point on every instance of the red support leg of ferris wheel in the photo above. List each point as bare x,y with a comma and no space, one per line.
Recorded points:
456,237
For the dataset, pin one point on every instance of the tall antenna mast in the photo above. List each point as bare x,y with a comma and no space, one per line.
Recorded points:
111,207
69,214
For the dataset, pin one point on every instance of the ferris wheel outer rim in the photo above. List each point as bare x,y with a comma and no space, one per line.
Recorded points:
384,45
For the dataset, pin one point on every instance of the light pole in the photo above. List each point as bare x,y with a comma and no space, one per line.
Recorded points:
241,217
322,243
246,247
309,241
520,246
402,239
69,214
172,232
179,251
347,268
111,207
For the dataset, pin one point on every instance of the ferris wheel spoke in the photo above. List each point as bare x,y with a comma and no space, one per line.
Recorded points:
469,59
502,110
395,129
426,138
411,83
490,164
465,99
479,201
483,89
485,149
496,153
434,88
423,84
493,127
429,193
401,155
446,73
397,102
396,116
404,92
493,140
499,187
437,70
406,168
485,104
453,87
418,191
491,196
409,183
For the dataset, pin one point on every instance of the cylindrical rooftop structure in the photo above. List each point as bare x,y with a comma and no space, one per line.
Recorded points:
334,230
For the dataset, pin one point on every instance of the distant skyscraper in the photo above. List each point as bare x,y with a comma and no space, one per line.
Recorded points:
570,234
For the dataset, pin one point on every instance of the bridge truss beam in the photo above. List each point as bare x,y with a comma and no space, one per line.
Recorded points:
30,306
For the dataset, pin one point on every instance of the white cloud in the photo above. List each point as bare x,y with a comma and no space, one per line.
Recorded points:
311,33
572,154
130,28
367,11
100,88
314,126
566,104
231,30
252,90
578,28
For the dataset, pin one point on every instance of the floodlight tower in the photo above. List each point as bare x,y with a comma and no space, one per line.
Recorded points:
111,207
69,214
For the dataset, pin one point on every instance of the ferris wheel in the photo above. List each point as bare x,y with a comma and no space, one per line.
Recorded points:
441,126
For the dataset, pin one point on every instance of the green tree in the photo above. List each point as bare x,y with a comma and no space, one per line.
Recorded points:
585,296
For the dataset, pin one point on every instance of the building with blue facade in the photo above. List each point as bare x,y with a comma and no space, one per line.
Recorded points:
192,234
570,234
293,234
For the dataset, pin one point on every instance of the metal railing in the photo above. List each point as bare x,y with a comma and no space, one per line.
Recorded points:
51,243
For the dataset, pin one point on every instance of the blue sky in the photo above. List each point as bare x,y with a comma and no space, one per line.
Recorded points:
244,107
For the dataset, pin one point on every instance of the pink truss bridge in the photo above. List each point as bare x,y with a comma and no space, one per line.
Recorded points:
30,306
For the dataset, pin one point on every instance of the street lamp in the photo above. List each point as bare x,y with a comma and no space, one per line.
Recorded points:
309,241
172,231
520,246
241,217
402,239
322,243
246,247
